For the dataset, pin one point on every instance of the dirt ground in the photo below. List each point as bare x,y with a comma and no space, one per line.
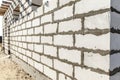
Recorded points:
10,70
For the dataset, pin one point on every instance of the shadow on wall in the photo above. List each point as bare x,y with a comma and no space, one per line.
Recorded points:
0,39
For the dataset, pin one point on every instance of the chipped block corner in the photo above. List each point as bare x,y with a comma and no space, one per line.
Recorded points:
64,39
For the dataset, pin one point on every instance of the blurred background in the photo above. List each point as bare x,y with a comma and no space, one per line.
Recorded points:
0,25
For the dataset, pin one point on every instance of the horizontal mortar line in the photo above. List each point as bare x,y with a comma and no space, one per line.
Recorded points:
96,32
53,58
112,52
92,69
44,65
115,71
101,52
91,13
113,30
98,70
89,50
114,10
41,54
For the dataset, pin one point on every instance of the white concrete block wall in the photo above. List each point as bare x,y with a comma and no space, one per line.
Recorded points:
66,40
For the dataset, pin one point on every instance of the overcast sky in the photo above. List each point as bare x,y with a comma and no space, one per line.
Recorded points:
0,22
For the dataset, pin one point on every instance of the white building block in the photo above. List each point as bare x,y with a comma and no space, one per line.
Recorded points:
72,25
63,77
30,31
46,18
28,53
25,58
30,46
90,41
51,73
85,6
70,55
51,5
50,50
38,66
38,11
39,30
38,48
24,32
36,22
31,62
29,39
63,67
87,74
36,56
50,28
100,21
68,12
47,61
46,39
36,39
63,40
97,61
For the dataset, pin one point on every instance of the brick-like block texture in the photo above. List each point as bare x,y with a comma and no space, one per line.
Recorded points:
85,6
63,39
85,74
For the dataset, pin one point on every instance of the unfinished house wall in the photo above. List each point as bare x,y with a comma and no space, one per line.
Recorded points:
61,40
